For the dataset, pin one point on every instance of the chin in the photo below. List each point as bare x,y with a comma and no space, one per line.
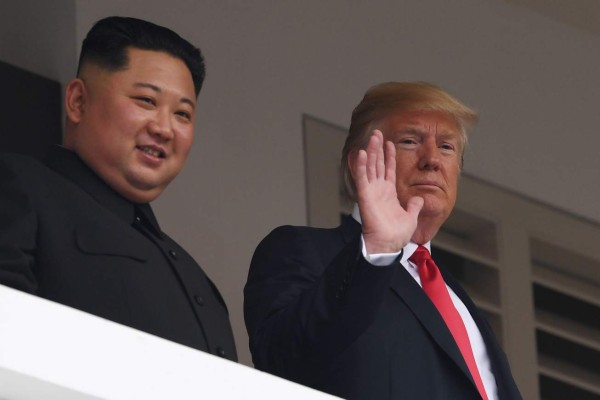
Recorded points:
142,197
142,193
434,211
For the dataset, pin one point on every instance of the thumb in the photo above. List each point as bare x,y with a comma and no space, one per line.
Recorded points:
414,206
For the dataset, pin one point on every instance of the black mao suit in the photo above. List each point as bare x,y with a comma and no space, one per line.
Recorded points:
68,237
319,314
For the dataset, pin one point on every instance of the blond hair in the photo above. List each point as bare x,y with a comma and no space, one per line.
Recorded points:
392,97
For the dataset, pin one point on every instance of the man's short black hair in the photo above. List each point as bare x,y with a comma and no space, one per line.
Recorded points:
107,42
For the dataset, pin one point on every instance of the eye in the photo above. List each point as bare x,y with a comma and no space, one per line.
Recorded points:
184,114
407,142
145,100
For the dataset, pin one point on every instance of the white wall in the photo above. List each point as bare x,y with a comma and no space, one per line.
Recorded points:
533,79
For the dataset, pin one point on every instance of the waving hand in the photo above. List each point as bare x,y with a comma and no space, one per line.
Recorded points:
386,226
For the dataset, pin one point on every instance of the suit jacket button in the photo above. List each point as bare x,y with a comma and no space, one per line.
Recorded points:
199,300
173,254
220,352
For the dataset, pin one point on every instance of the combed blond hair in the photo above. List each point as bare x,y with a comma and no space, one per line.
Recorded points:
392,97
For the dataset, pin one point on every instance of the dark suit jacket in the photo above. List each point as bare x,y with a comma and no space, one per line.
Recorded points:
319,314
68,237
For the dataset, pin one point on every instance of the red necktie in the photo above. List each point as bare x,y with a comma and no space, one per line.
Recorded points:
434,286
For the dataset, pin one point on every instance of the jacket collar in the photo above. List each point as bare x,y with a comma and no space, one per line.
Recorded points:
409,291
66,163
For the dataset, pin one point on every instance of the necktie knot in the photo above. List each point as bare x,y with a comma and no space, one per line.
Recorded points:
420,255
425,265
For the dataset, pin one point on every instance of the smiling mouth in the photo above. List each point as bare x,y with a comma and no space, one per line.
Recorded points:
152,151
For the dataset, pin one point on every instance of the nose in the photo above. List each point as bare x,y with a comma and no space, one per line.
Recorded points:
429,156
160,126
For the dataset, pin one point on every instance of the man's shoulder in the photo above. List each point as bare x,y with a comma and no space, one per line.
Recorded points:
301,236
26,174
19,160
290,231
17,165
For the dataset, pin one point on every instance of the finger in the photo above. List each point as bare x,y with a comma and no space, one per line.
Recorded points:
414,206
372,150
380,162
360,171
390,162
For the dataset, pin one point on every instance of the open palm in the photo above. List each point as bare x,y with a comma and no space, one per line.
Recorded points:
386,226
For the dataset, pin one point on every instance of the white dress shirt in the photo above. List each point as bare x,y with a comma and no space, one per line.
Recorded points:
477,344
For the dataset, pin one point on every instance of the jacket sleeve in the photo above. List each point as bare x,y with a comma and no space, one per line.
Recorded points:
17,232
305,303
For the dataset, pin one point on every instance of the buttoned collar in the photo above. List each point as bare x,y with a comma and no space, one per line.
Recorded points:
68,164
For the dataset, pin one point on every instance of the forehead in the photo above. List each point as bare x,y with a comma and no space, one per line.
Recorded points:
425,121
156,68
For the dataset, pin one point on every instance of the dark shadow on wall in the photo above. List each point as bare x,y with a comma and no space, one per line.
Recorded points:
30,112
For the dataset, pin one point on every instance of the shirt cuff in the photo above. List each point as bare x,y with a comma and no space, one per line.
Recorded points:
378,259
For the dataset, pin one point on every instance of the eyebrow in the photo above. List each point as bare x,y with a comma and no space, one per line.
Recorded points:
411,129
419,131
159,90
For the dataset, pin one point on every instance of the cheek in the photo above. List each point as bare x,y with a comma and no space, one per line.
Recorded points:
184,141
403,171
451,169
452,182
117,129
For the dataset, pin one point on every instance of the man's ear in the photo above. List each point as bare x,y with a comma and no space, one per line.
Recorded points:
75,100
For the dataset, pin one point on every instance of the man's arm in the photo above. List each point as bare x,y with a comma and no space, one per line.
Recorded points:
17,232
309,295
303,306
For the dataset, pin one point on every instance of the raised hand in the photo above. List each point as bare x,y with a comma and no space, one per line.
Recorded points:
386,226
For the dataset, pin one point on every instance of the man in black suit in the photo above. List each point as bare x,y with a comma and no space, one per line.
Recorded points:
350,310
79,229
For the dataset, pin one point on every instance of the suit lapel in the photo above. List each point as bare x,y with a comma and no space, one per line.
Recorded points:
423,309
417,301
500,368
